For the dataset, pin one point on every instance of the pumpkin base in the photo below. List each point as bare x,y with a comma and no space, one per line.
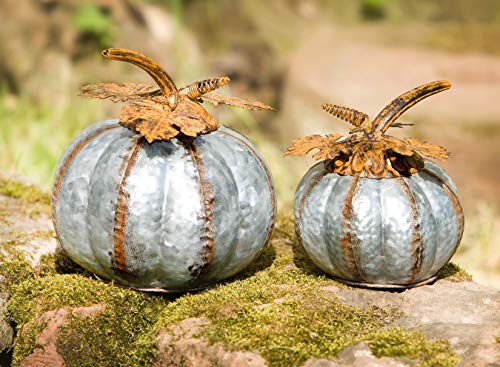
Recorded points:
161,290
387,287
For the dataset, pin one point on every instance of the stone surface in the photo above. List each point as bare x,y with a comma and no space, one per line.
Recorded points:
179,346
6,331
358,355
464,313
47,354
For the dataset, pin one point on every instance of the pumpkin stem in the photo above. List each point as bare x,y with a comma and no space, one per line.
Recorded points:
150,66
399,105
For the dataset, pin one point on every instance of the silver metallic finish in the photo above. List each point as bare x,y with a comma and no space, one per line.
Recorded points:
196,211
385,233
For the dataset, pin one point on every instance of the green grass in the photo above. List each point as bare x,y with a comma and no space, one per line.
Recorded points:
33,137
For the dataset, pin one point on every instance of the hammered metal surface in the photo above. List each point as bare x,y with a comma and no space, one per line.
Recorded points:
385,232
167,201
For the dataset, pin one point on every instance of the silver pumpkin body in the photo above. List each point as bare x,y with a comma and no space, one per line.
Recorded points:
388,233
168,216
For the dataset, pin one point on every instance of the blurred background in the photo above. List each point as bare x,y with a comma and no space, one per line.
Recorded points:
291,54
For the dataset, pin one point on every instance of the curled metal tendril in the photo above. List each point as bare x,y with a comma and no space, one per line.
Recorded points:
197,89
359,119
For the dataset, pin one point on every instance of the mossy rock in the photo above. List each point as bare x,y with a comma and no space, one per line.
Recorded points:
282,311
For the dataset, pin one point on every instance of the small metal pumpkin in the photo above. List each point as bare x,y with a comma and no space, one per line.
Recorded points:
376,212
163,199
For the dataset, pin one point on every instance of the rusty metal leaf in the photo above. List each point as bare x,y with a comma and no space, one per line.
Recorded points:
396,145
117,92
245,103
428,150
325,144
156,121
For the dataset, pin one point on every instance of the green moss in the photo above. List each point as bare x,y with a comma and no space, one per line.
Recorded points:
28,194
415,346
26,341
127,313
15,269
32,200
454,273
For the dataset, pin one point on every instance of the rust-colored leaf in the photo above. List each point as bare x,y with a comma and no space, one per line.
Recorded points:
245,103
117,92
306,144
428,150
332,150
156,121
396,145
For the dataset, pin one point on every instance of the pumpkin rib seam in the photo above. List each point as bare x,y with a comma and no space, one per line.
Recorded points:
199,272
121,210
330,255
350,250
417,246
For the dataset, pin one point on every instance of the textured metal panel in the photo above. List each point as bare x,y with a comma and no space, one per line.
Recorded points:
153,201
397,228
316,227
84,135
70,209
313,209
368,227
256,196
441,175
304,184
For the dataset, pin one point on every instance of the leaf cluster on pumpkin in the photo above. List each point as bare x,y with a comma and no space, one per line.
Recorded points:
163,113
366,156
367,151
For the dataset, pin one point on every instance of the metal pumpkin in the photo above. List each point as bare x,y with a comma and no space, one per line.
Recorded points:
376,212
163,199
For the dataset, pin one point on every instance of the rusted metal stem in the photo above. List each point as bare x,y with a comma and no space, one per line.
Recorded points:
159,75
398,106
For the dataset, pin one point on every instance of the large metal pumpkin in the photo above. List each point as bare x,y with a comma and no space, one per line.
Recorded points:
167,215
374,212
